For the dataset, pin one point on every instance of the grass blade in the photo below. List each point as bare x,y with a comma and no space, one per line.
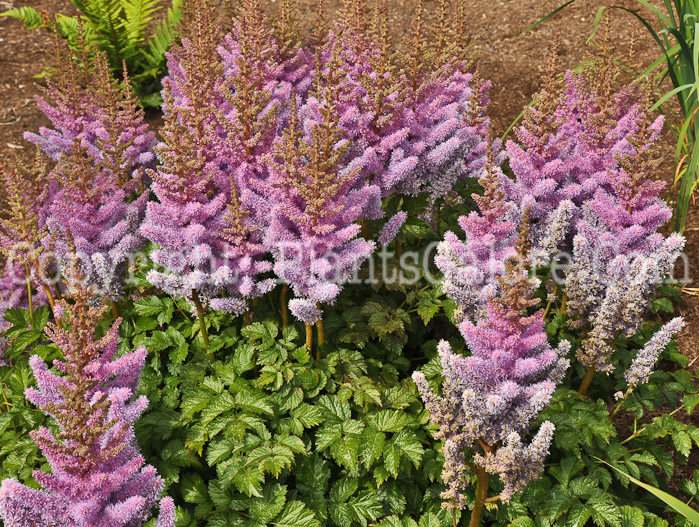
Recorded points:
545,18
669,500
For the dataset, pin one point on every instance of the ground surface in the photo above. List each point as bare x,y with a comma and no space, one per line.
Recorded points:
511,60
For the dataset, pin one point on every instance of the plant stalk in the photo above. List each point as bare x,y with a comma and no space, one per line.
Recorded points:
481,496
321,337
27,276
115,310
309,336
285,309
202,322
585,384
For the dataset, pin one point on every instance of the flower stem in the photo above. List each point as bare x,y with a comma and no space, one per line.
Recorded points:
202,322
481,496
248,318
27,276
453,516
115,310
585,384
285,309
321,337
309,336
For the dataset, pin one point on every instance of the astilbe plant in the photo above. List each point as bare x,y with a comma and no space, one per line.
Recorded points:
256,87
568,142
93,221
619,257
313,234
98,477
472,267
84,103
446,104
416,120
490,398
375,94
22,230
207,242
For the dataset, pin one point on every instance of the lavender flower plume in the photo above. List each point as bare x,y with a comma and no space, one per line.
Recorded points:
391,228
568,143
23,229
642,365
619,300
518,463
619,258
471,268
97,477
493,395
85,104
313,234
207,221
93,222
446,102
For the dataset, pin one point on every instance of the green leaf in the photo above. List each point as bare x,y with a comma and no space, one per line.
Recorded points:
372,444
253,402
522,521
18,316
219,450
216,406
604,513
690,402
312,476
391,420
365,507
631,516
297,515
25,339
309,416
267,508
410,446
682,442
194,489
662,304
41,317
195,401
345,452
578,515
327,435
431,520
247,479
150,306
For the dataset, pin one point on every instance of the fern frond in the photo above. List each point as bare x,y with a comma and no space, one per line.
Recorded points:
164,34
138,14
91,11
67,26
107,20
28,15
